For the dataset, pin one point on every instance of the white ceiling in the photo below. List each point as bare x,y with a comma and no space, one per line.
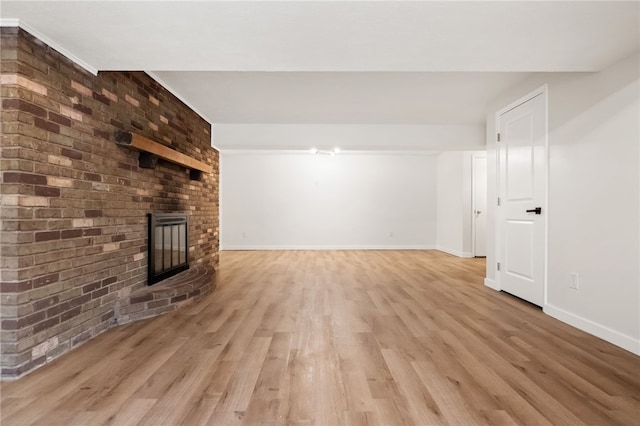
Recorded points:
341,97
337,35
379,62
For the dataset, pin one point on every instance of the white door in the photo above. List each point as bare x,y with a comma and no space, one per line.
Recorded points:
479,202
522,195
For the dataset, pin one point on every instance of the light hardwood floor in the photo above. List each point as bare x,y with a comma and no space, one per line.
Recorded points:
338,337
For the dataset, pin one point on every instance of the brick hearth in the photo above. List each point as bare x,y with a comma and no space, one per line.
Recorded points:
73,207
180,290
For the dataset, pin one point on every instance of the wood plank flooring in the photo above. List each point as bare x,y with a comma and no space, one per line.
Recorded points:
338,338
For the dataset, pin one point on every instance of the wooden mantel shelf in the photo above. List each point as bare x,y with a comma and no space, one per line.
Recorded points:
156,150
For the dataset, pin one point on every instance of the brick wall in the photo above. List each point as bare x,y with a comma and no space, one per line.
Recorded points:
73,203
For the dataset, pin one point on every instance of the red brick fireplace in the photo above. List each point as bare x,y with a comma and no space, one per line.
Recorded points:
74,204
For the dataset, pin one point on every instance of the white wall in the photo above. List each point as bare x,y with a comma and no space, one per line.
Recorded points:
449,203
467,203
433,137
454,203
281,200
594,193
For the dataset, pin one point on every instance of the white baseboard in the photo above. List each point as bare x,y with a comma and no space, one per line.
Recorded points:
458,253
605,333
321,247
488,282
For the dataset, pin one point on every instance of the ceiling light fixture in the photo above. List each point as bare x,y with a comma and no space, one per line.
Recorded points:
324,151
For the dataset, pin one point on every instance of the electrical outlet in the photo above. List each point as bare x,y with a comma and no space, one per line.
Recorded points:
244,235
573,281
390,234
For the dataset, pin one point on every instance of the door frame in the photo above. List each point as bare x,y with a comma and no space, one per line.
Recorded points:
540,91
473,201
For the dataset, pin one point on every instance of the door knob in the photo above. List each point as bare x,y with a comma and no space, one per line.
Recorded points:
537,210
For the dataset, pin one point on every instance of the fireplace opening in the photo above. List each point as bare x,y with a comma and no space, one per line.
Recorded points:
168,245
